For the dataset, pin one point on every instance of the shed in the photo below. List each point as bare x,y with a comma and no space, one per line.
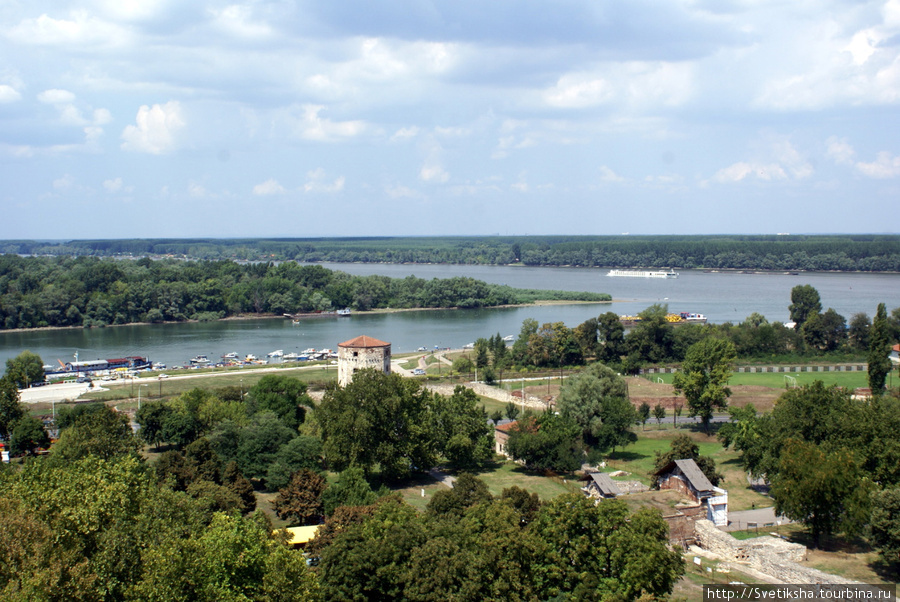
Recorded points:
686,477
600,485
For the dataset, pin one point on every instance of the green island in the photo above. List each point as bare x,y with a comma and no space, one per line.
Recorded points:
37,292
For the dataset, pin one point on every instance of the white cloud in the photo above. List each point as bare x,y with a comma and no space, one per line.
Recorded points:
238,21
885,166
197,190
65,182
316,182
432,172
8,94
82,30
519,186
113,185
311,126
405,134
840,151
155,130
743,170
56,97
785,153
630,84
270,186
401,192
608,175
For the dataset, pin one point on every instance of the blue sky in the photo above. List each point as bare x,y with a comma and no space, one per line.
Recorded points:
149,118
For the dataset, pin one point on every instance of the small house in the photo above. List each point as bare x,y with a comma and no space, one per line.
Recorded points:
686,477
501,436
600,485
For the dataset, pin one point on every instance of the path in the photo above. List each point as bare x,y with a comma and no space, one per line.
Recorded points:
739,521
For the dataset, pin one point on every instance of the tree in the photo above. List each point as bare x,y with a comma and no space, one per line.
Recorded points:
350,489
233,479
879,351
643,414
805,302
596,400
704,375
512,410
826,491
858,332
885,524
284,395
300,452
659,412
461,430
600,551
378,419
466,492
547,442
25,369
11,409
103,433
651,340
301,501
151,417
27,435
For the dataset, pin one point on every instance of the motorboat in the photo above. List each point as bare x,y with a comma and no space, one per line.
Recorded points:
276,353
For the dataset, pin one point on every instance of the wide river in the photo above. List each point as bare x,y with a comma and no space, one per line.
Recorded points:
722,297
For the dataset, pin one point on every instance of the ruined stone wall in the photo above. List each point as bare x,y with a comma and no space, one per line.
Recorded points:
681,524
775,557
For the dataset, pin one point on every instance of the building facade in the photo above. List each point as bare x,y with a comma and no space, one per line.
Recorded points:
361,353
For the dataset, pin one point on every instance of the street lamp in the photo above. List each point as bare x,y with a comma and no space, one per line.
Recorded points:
139,395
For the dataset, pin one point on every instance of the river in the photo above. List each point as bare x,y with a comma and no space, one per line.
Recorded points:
721,297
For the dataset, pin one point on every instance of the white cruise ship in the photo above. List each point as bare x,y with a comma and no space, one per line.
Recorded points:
643,274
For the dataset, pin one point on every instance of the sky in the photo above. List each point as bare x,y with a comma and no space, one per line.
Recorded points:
279,118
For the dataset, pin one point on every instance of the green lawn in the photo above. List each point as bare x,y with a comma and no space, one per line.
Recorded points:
777,380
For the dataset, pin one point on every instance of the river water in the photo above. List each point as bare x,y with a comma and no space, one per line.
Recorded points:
721,297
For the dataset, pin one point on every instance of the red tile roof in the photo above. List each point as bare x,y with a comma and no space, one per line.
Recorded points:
363,342
505,428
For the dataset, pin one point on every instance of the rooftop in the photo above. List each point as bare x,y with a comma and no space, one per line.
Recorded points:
363,342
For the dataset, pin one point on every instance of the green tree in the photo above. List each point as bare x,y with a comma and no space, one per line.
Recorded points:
610,337
858,331
284,395
704,375
547,442
234,479
466,492
151,417
805,302
378,419
601,552
25,369
103,433
885,524
300,452
651,340
512,410
350,489
461,431
28,435
643,413
11,409
596,399
659,412
826,491
879,351
301,501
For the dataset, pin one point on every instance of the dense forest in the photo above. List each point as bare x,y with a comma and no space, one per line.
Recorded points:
90,291
867,253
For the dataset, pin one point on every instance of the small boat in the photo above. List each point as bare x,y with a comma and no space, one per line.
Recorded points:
200,359
508,338
230,356
291,356
250,358
276,353
309,351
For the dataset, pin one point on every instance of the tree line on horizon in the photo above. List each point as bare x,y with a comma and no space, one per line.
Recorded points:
89,291
867,253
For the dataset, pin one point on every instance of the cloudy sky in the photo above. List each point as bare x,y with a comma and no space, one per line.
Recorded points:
147,118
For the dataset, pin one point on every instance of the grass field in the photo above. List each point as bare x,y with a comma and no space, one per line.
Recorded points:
776,380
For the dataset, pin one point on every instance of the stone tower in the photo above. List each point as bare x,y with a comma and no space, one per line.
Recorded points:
361,353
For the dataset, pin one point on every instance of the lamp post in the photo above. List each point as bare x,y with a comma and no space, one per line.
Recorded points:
139,395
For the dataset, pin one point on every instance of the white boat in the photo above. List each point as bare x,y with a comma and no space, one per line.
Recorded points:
230,356
643,274
309,351
291,356
276,353
200,359
508,338
250,358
